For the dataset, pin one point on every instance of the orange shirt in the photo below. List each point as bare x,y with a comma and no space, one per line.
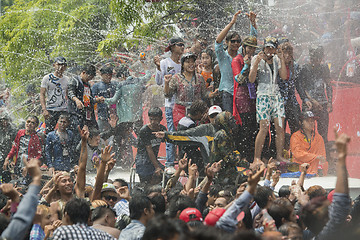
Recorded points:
304,152
206,76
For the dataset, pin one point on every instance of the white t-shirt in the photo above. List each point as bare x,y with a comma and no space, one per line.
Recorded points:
56,90
167,66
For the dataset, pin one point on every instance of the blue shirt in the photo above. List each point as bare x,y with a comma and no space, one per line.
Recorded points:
106,90
225,60
134,231
58,154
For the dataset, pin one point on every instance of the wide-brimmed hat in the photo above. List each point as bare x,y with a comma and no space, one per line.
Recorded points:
250,41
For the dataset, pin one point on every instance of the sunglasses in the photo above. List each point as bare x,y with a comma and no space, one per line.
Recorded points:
108,198
235,41
180,45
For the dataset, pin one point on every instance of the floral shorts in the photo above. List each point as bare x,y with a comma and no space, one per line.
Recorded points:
269,107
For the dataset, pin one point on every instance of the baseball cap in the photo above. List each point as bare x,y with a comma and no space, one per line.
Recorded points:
307,114
60,60
214,109
108,187
190,214
213,216
270,42
172,42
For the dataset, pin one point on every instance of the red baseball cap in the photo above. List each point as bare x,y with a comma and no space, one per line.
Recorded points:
213,216
190,214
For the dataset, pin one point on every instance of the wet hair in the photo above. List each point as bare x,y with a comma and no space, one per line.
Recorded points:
159,203
315,191
262,195
89,69
122,71
34,118
179,203
211,53
231,35
137,205
280,209
289,226
93,132
160,227
314,214
153,188
65,116
122,182
197,107
106,70
284,191
78,210
100,212
155,112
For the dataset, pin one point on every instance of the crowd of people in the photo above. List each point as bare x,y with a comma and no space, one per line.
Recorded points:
227,106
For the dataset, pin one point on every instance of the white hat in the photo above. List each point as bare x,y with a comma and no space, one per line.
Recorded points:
214,109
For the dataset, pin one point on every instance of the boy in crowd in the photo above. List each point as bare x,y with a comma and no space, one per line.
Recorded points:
148,167
106,88
54,85
27,144
170,65
81,100
60,144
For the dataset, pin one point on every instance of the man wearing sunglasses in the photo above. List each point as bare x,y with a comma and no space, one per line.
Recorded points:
170,65
109,194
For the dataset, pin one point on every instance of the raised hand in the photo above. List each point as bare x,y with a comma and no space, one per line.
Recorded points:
110,165
106,154
33,167
84,133
304,167
167,78
192,169
341,143
183,163
233,20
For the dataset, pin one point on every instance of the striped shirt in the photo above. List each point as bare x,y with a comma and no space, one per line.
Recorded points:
80,231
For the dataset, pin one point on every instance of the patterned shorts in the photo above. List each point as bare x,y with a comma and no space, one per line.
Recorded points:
269,107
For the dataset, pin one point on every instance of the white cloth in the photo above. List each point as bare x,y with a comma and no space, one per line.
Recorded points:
167,66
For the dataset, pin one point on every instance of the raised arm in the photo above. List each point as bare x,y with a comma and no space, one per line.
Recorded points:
106,156
224,32
283,69
342,185
81,175
23,218
254,66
